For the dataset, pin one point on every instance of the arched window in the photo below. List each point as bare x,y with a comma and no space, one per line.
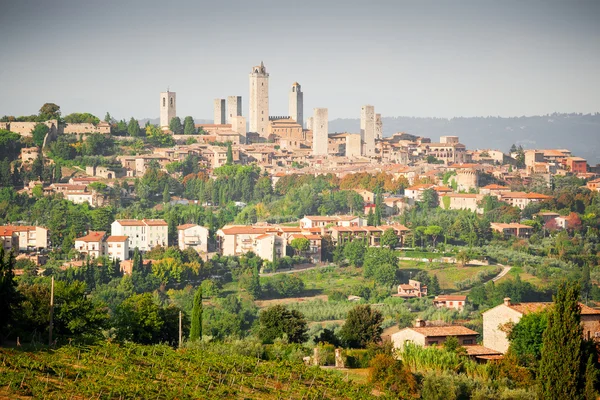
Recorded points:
171,102
164,102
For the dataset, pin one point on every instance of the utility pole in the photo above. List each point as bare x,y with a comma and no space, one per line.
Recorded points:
51,313
180,333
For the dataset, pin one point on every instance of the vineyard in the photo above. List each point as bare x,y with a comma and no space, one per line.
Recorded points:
111,371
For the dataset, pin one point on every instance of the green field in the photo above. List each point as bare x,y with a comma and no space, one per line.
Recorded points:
110,371
448,274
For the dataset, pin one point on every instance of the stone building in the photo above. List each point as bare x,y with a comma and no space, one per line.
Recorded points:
320,132
234,109
467,179
296,106
168,108
220,112
194,236
367,130
259,100
425,336
498,321
353,145
287,133
309,123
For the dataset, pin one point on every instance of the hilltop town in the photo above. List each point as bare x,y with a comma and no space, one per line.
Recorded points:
365,245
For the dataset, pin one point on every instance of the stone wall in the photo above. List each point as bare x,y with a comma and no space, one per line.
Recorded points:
493,321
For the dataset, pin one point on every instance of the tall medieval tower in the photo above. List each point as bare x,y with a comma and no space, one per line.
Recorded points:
259,100
367,130
296,110
168,108
320,126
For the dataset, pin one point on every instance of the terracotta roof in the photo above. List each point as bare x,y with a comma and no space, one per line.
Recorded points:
454,330
264,236
494,186
92,236
405,286
450,298
508,226
462,195
6,231
478,350
525,308
185,226
155,222
130,222
117,238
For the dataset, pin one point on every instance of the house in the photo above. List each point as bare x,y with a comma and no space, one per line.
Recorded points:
547,216
371,234
411,290
194,236
457,302
594,185
461,201
117,247
143,234
512,229
494,190
423,335
9,238
315,244
522,199
91,245
235,240
268,246
31,237
316,221
498,321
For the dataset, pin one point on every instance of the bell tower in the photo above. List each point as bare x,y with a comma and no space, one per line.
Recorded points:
168,108
259,100
297,104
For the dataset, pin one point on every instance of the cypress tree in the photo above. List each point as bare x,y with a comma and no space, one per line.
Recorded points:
559,375
591,377
196,330
229,154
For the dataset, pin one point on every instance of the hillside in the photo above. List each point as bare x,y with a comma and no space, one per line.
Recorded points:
111,371
576,132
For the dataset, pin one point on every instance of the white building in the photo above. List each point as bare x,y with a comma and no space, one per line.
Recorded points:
117,247
91,245
194,236
143,234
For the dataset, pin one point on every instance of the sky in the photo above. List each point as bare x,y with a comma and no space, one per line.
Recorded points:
407,58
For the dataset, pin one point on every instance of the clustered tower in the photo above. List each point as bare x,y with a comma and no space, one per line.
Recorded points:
168,108
320,124
378,127
367,130
219,111
297,104
259,100
234,108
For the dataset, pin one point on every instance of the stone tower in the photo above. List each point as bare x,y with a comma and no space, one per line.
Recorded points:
259,100
367,130
297,104
467,179
234,107
320,126
309,123
219,111
378,127
168,108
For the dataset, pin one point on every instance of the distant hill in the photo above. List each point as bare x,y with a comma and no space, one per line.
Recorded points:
576,132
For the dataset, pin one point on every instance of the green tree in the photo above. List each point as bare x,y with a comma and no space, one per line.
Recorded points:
188,126
526,338
133,128
108,118
591,378
229,154
166,196
277,321
463,257
175,126
138,319
254,287
196,330
434,286
39,133
434,231
49,111
429,199
9,297
300,245
560,371
354,252
389,238
362,326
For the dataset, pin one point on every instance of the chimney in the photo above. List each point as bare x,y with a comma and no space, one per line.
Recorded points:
419,323
507,301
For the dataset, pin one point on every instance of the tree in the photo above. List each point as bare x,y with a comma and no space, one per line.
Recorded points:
133,128
277,321
462,258
591,378
560,371
389,238
49,111
434,231
196,330
362,326
300,245
429,199
229,154
254,284
526,338
188,126
434,286
138,319
354,252
108,118
9,297
390,374
175,126
166,196
39,134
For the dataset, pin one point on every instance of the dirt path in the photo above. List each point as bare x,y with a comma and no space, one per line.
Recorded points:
505,269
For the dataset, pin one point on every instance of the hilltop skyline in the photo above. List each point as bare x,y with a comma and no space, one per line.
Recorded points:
424,60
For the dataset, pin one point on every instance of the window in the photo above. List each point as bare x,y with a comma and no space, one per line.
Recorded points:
468,341
164,102
171,101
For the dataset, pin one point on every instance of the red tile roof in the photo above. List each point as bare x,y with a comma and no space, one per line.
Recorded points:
117,238
454,330
92,236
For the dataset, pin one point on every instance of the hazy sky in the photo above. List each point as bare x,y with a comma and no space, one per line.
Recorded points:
407,58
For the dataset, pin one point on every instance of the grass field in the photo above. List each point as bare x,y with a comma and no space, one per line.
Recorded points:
448,274
525,277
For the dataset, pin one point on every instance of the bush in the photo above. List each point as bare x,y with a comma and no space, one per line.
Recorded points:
357,358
